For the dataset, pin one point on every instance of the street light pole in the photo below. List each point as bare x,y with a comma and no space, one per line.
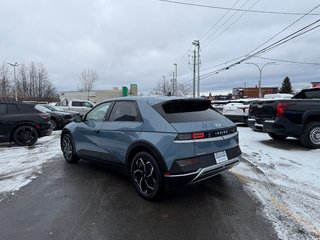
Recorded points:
260,74
196,43
14,65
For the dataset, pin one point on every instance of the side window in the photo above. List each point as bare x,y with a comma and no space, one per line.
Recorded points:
76,104
125,111
99,113
3,109
12,109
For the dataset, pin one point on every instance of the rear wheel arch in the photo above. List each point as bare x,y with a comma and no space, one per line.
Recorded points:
143,146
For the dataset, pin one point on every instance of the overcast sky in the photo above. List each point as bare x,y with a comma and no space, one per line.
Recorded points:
128,41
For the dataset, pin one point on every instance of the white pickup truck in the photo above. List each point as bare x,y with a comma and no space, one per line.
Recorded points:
81,106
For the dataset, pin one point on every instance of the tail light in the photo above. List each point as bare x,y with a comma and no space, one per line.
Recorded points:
280,109
190,136
45,117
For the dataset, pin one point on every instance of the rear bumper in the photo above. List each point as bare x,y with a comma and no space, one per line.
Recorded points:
282,126
252,123
178,180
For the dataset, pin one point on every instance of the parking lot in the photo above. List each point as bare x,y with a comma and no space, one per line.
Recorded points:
44,198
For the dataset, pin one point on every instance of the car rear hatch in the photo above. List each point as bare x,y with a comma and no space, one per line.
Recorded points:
198,123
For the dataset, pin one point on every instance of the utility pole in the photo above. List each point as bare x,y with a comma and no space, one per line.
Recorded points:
197,44
14,65
172,83
194,73
176,77
164,86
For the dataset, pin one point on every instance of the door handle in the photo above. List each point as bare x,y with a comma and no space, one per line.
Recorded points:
97,131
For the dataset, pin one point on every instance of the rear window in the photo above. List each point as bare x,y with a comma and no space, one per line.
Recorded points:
188,111
308,94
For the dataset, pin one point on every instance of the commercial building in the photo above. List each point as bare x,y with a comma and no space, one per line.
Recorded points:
253,92
97,96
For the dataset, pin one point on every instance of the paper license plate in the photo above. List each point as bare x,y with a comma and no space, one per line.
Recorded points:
221,156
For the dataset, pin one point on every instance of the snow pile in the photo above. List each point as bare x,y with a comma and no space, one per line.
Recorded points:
285,178
19,165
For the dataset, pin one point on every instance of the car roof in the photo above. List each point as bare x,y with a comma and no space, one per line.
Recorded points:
153,100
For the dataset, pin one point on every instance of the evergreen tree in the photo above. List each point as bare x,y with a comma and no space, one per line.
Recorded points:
286,86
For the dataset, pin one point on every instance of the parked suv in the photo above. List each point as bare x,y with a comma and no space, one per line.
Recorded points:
159,142
22,123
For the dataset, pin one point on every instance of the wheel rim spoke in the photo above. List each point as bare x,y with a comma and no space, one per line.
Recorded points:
315,135
67,148
144,176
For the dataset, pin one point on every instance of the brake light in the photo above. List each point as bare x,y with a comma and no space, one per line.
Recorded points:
45,117
280,109
198,135
190,136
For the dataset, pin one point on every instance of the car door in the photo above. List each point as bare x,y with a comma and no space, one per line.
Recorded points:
88,132
121,129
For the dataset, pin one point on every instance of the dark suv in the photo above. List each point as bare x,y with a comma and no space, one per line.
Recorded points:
22,123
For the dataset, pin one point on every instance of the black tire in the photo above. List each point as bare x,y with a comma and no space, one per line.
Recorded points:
25,135
146,176
68,149
310,136
54,124
277,136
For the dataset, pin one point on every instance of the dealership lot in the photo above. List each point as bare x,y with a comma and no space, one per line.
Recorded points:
44,197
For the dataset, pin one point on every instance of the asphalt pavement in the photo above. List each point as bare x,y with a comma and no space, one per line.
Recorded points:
86,201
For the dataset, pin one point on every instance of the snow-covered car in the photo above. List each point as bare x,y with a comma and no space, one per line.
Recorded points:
218,105
237,110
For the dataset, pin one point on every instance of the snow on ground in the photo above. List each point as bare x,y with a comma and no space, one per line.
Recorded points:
285,178
282,175
19,165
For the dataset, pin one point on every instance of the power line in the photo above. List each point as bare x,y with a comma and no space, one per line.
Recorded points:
290,25
288,61
218,22
276,44
237,9
284,40
236,20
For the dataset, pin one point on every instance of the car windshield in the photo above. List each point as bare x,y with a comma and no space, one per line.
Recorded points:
42,108
51,108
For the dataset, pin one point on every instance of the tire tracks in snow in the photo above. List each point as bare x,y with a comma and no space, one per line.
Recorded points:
288,222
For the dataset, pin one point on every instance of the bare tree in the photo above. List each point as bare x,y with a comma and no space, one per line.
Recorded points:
87,80
165,88
5,83
34,84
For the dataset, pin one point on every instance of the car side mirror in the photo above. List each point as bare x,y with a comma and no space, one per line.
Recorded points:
77,119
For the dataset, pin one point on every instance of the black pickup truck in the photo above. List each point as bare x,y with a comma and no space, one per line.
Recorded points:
297,117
